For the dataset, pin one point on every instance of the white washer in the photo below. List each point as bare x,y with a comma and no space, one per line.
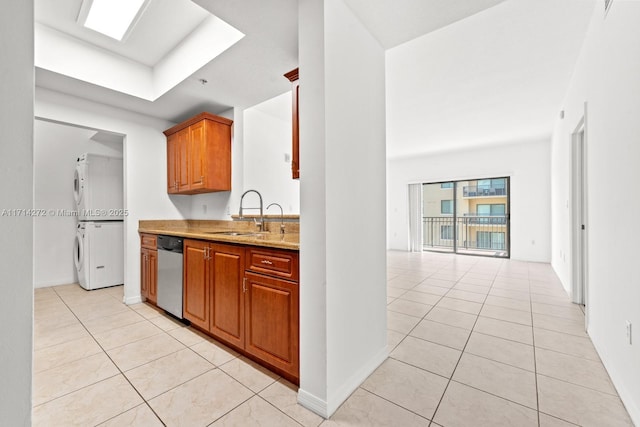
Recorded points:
98,254
98,188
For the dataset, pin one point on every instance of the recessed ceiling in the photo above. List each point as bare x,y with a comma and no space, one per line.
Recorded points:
201,38
162,26
244,75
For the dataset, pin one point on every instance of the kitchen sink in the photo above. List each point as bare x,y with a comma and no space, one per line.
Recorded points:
232,233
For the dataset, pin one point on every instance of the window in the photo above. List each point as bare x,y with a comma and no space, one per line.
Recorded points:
490,210
446,207
492,187
498,183
485,210
469,216
446,232
490,240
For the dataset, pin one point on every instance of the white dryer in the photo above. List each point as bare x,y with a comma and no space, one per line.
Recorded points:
98,188
98,254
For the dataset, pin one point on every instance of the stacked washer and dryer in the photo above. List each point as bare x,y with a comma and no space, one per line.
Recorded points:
99,243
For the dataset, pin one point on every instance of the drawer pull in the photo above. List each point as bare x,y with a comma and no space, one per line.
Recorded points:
266,261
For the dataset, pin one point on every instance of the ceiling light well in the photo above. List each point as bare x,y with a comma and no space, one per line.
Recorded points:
113,18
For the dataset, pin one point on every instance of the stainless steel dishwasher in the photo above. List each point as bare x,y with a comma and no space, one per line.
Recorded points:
170,274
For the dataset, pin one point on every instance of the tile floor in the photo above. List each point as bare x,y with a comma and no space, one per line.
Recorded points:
472,342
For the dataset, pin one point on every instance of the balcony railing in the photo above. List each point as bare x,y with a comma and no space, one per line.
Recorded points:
484,219
483,191
472,233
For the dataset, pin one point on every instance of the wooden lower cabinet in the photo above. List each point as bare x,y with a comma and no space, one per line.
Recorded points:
213,298
254,313
195,280
149,268
227,296
272,321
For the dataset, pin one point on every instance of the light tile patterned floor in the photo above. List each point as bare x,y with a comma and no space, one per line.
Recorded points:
473,342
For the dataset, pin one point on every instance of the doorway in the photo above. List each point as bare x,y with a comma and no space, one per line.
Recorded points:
56,149
467,217
579,215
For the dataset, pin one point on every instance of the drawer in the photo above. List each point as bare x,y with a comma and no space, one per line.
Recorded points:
149,241
274,263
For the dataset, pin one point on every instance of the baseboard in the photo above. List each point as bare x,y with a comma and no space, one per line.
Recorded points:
326,408
626,396
312,403
132,300
50,283
352,383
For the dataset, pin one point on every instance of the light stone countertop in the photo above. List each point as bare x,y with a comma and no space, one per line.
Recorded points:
209,230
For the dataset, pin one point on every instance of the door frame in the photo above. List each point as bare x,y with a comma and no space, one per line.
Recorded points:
579,216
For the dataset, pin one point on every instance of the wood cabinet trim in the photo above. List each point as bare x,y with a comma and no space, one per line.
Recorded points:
149,241
196,119
292,75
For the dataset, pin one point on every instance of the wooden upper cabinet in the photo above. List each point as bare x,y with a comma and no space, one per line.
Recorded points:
178,162
172,162
199,155
295,120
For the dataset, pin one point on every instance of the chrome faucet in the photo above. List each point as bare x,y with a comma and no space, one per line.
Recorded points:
261,223
281,216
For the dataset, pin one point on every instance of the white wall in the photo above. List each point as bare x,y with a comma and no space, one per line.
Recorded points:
342,252
145,169
527,163
56,148
606,77
267,138
16,192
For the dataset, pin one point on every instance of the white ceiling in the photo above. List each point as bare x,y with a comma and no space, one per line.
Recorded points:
459,72
499,76
394,22
147,45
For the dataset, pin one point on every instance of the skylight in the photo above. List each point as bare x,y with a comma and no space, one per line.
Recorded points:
113,18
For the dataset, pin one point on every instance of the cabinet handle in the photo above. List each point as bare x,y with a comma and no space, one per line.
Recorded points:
206,253
244,284
266,261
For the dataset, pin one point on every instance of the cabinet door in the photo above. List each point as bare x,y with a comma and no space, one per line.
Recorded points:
227,299
152,276
195,281
182,160
198,159
144,273
272,321
172,163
